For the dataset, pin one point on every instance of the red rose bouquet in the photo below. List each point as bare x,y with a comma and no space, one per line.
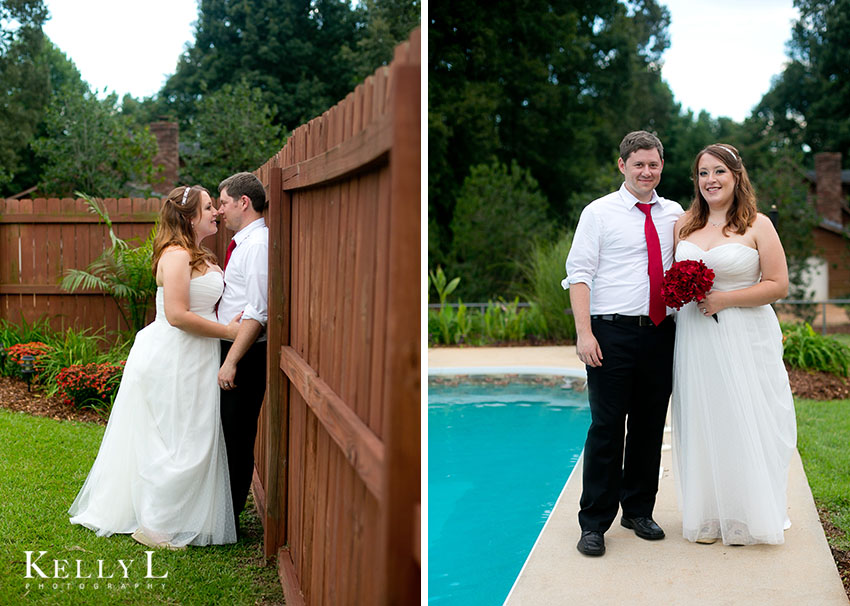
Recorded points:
686,281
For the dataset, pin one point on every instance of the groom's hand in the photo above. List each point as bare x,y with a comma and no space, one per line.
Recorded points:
226,375
588,350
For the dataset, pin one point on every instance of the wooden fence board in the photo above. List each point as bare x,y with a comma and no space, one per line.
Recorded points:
41,239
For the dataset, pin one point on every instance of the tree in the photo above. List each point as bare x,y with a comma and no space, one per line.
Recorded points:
497,211
546,83
807,104
24,84
290,50
89,146
61,73
232,130
783,183
387,24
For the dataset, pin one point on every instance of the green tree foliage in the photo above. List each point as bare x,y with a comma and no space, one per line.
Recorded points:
554,85
783,183
232,131
543,270
291,50
24,85
498,212
61,73
808,102
88,145
387,24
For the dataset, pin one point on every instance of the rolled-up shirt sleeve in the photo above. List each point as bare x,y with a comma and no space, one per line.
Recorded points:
256,286
583,258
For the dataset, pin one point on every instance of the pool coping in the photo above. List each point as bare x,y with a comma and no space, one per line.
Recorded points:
800,571
556,371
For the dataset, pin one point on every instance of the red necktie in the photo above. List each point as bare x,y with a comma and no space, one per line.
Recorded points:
229,252
657,309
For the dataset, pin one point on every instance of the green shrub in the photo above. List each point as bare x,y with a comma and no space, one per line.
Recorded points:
56,352
505,321
444,321
500,322
13,362
12,334
90,385
544,271
806,349
71,348
499,210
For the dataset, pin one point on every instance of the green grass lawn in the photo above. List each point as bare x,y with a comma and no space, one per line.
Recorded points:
42,466
823,439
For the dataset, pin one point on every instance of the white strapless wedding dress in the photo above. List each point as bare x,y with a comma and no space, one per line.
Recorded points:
162,465
734,428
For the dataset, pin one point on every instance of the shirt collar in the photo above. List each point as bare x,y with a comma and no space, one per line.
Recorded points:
629,199
243,233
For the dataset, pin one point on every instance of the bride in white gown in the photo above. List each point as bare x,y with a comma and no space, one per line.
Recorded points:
734,428
161,471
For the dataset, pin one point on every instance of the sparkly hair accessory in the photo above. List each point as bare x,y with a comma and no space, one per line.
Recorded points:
734,155
185,195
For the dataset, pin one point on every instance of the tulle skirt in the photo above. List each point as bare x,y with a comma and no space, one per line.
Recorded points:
162,465
734,428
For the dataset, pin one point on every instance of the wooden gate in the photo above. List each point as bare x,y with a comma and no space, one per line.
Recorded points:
337,478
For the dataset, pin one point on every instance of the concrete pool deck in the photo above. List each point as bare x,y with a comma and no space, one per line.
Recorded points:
672,572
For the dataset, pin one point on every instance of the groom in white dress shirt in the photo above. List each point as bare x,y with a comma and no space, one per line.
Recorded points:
242,376
625,342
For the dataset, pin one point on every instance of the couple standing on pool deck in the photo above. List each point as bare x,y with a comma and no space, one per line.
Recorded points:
734,429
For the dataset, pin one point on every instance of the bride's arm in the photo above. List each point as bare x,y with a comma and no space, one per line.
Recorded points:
676,229
176,275
774,273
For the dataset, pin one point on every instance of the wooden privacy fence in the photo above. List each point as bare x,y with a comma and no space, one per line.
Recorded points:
337,477
43,238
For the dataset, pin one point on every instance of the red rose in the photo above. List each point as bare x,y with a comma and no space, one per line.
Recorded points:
686,281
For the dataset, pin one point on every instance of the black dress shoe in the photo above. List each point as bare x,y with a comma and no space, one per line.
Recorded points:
591,543
645,528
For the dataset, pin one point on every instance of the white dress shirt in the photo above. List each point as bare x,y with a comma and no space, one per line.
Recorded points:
246,277
608,251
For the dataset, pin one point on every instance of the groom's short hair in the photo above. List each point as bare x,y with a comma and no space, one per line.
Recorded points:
245,184
639,139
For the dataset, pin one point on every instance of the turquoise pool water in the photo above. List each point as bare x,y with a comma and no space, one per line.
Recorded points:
498,458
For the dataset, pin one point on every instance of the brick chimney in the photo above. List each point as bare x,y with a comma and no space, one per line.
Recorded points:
168,156
829,195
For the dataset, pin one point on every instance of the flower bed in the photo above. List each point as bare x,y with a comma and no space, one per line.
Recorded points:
89,384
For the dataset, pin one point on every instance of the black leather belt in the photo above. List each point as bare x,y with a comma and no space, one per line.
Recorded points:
635,320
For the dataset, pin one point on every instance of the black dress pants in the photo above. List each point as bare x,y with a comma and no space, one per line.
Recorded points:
629,391
240,409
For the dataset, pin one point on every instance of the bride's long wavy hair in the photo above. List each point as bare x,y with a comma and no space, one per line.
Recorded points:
181,208
742,213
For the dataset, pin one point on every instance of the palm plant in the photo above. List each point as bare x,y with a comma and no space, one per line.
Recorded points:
121,271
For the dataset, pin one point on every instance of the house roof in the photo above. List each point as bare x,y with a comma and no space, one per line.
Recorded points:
845,176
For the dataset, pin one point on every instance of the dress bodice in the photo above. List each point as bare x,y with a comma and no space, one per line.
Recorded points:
735,265
204,291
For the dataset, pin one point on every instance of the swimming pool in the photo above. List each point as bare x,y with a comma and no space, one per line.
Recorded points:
498,457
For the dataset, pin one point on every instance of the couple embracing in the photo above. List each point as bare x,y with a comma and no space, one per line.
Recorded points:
734,429
177,457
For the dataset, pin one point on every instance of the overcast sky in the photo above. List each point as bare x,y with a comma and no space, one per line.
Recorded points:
125,46
722,55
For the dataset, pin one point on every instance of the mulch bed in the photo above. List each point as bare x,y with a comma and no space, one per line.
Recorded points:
814,386
841,557
15,396
817,385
